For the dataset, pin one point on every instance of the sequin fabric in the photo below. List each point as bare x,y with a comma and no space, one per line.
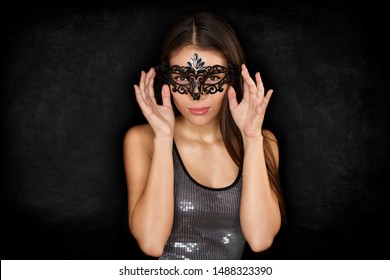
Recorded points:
206,224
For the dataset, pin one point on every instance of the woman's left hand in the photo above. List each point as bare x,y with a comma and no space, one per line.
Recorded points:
249,114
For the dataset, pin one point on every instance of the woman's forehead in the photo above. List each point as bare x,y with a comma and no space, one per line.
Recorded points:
187,54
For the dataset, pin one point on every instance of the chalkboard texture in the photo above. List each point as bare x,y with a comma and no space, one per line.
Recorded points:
67,71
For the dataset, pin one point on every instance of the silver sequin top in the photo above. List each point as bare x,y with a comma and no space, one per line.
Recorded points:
206,220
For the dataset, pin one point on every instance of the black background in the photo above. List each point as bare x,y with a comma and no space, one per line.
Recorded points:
67,71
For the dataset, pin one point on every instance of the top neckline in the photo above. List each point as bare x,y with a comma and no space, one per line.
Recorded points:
199,184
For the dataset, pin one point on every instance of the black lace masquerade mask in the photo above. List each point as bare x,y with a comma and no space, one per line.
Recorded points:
197,79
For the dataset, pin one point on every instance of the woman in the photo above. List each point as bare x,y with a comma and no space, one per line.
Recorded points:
202,175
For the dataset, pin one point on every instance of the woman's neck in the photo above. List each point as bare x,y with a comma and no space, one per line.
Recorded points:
208,133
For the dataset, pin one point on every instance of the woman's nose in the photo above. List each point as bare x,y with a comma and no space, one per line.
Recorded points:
197,92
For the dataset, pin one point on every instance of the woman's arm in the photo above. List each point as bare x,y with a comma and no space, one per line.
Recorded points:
149,169
259,214
149,178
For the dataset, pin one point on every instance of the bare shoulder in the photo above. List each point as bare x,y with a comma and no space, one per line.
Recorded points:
140,136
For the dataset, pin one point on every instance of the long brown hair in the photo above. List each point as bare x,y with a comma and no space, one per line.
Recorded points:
211,32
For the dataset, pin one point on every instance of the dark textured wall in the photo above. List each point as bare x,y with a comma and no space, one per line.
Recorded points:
67,99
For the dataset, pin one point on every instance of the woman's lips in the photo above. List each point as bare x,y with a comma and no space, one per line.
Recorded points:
199,111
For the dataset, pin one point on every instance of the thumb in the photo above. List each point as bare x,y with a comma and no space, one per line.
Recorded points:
166,96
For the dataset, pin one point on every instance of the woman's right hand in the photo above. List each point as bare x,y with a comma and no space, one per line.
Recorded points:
160,117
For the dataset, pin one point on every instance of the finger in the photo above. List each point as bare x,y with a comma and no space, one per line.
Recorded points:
141,101
138,95
166,96
266,99
149,96
142,83
249,84
260,86
232,98
149,81
143,89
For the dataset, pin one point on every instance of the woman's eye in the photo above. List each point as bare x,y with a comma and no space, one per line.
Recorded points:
213,79
180,78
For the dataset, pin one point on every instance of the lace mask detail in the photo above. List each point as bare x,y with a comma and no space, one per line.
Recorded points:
197,79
